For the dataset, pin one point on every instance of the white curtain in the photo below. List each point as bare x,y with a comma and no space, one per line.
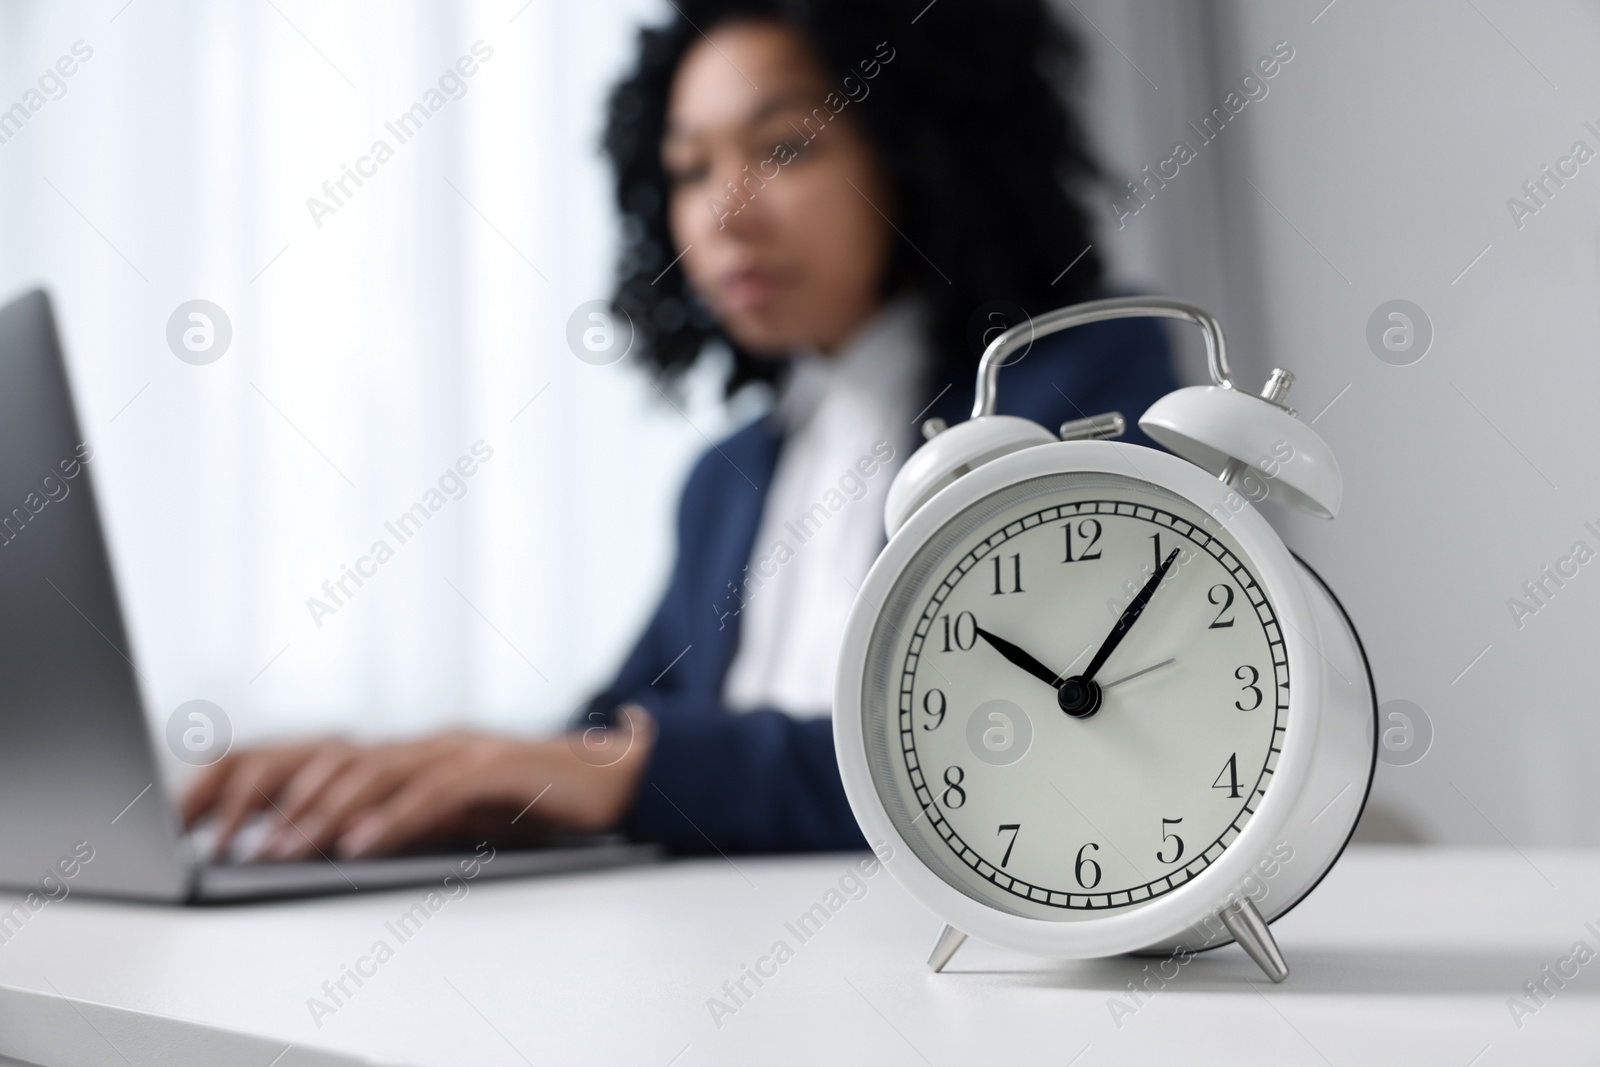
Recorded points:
372,347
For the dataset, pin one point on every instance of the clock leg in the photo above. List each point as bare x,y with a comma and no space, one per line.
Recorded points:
950,939
1248,928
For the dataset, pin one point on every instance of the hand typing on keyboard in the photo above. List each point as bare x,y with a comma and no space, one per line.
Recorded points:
336,798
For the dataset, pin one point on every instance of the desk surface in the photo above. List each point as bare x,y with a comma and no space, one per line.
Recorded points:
1401,956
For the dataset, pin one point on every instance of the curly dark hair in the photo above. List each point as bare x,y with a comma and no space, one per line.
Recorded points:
974,124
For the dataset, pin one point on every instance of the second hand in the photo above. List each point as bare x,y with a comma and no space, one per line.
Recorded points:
1136,674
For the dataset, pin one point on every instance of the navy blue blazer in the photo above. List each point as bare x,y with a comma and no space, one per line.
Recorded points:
762,780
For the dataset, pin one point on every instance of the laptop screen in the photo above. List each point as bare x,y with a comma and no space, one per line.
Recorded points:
79,789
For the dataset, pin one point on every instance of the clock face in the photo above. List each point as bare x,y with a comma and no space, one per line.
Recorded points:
1053,731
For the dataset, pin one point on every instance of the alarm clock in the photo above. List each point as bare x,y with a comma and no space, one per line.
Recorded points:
1086,695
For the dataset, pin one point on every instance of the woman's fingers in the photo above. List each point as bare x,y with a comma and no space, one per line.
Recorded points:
313,776
366,800
360,781
413,812
250,785
500,771
507,774
202,793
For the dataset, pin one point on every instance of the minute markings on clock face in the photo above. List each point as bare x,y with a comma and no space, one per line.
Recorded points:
1078,816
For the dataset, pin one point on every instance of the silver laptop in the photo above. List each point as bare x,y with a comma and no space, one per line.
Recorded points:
82,806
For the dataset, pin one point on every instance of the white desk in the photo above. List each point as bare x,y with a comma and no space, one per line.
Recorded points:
1399,957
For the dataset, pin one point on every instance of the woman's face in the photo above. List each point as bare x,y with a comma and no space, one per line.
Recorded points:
794,251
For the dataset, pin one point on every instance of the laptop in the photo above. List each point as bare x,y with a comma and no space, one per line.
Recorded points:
82,805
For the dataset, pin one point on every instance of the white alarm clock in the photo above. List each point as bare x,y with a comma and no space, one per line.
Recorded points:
1087,695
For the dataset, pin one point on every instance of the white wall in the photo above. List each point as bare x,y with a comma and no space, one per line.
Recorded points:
1151,62
1382,161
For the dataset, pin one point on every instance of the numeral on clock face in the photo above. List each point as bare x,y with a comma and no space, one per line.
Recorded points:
1016,575
1156,538
1015,829
1088,536
1249,676
1177,842
964,630
1225,591
1087,866
1231,772
954,795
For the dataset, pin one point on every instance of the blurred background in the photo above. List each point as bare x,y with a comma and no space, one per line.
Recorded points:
374,344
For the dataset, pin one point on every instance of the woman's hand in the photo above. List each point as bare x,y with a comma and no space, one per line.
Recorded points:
352,800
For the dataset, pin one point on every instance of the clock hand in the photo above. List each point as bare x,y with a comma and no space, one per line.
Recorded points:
1136,674
1021,659
1130,615
1079,696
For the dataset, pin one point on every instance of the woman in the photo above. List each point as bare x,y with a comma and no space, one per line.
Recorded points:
852,197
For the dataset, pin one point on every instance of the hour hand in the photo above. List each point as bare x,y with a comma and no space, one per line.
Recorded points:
1021,659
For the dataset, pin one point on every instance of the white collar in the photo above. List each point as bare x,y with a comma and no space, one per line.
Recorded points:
880,365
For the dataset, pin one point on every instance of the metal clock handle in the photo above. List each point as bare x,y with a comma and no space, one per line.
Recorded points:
1122,307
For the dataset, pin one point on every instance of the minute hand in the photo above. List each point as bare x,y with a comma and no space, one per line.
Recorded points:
1130,615
1079,696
